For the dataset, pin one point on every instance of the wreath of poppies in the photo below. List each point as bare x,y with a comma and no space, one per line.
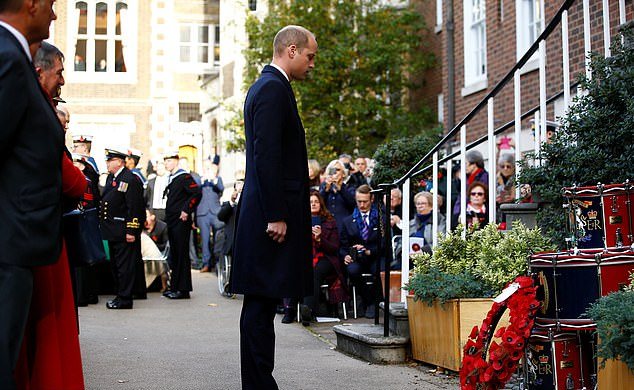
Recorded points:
479,373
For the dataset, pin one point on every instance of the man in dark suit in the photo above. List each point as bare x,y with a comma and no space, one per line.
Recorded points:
122,218
272,254
183,195
31,144
359,248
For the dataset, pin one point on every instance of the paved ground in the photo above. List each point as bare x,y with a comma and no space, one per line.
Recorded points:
194,344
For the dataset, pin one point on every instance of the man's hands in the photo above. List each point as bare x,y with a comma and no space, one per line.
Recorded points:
277,231
184,216
129,238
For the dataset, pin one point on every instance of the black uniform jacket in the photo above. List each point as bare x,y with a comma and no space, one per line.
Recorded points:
183,194
122,208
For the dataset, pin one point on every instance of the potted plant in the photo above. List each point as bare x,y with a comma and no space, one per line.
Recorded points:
453,287
615,328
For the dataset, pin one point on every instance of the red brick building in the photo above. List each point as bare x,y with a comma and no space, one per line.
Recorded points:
495,35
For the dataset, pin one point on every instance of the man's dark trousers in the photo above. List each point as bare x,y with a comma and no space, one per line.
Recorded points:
257,342
16,282
123,255
179,233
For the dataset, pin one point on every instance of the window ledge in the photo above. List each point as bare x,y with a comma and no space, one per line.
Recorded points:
474,87
102,77
530,65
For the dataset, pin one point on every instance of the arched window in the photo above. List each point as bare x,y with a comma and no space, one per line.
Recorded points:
104,37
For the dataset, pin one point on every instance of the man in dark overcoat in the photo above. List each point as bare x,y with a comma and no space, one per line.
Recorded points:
272,254
183,196
31,145
122,216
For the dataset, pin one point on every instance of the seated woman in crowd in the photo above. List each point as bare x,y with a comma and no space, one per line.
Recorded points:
421,225
327,268
477,207
338,196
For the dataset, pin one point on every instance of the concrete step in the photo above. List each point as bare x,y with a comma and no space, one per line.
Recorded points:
366,341
399,323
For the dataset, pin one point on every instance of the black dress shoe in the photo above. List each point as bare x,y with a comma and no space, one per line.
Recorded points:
167,293
119,304
306,314
289,315
178,295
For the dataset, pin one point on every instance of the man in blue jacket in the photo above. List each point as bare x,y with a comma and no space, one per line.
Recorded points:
272,254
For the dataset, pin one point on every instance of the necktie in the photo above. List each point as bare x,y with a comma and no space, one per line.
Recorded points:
365,230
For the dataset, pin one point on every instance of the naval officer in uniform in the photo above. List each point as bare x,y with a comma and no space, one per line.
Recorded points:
122,218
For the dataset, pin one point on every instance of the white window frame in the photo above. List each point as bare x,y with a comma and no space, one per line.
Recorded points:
213,43
527,29
439,10
441,108
475,46
130,41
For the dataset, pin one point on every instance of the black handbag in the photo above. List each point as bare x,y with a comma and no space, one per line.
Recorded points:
84,244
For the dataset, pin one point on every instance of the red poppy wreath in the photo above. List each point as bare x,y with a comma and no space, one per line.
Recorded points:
479,373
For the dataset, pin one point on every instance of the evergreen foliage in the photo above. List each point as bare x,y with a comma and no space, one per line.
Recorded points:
357,98
595,142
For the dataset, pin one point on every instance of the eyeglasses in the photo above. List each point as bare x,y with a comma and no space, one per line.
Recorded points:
477,194
506,166
422,204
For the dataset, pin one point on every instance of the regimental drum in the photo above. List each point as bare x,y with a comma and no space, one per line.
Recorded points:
560,360
600,216
570,281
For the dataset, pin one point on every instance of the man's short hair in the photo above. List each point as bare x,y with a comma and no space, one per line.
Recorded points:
45,56
290,35
398,192
363,189
10,5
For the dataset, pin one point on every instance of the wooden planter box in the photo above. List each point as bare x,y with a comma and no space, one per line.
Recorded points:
439,332
615,376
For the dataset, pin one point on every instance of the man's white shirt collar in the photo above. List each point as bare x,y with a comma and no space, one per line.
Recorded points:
281,70
118,172
18,35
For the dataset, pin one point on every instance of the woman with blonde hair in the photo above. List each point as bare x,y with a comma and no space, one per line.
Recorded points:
339,197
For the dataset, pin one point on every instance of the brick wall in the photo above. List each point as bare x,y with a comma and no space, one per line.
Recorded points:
501,56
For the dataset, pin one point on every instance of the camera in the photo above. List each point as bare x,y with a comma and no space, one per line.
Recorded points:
332,171
356,254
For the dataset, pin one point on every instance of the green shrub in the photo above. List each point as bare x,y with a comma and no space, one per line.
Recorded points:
615,326
484,261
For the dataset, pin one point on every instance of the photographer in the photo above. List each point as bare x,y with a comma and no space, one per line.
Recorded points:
359,245
339,197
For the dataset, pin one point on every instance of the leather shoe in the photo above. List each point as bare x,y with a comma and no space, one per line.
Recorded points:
370,311
178,295
166,293
289,315
119,304
306,314
204,269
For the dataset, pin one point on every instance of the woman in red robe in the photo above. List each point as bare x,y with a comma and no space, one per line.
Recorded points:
50,357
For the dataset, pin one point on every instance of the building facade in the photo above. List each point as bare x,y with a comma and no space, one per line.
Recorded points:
488,37
134,70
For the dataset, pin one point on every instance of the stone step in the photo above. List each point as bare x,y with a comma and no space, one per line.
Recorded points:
366,341
399,323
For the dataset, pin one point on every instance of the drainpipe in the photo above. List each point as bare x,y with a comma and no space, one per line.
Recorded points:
451,83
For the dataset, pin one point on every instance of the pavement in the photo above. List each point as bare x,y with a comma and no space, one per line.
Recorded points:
194,344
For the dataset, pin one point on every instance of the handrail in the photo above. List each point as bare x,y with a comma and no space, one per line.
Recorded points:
529,53
498,131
